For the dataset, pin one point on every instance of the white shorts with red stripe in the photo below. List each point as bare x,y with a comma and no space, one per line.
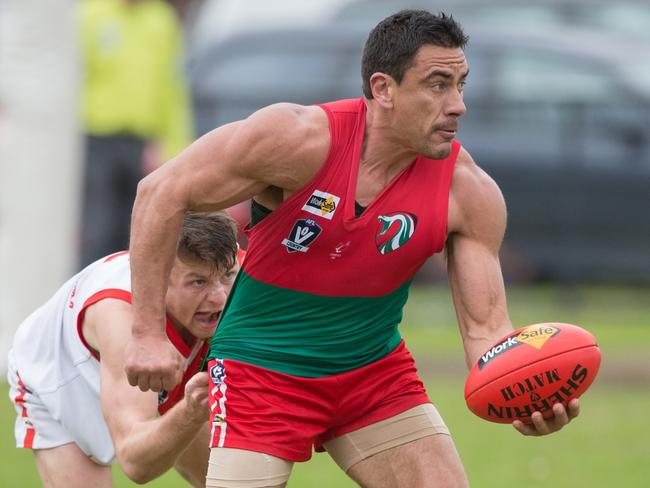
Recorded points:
64,415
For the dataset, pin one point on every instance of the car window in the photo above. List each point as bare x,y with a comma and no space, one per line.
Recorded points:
527,74
529,15
622,18
274,70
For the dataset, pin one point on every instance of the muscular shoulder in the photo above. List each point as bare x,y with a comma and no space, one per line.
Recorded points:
476,204
286,143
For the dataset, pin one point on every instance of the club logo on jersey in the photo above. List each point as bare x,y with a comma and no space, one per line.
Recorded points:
394,230
322,204
304,232
218,372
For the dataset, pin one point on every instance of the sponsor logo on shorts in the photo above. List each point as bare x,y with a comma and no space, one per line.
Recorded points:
303,233
322,204
534,335
218,372
394,230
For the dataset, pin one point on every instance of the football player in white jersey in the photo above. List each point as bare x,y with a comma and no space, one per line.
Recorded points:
75,407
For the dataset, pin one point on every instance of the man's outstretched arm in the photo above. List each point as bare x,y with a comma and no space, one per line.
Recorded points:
279,146
477,223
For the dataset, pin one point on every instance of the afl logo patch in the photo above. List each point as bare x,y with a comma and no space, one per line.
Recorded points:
303,233
322,204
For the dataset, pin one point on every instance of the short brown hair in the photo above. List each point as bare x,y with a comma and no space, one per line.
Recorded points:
209,237
392,45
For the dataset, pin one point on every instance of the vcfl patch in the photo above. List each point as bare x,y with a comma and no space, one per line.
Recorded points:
218,372
304,232
322,204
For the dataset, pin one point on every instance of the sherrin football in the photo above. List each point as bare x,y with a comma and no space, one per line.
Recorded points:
531,369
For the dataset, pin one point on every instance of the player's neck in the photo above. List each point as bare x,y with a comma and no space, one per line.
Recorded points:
384,151
384,156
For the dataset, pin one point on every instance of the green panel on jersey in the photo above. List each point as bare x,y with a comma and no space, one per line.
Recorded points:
303,334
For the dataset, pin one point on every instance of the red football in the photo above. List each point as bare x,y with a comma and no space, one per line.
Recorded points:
531,369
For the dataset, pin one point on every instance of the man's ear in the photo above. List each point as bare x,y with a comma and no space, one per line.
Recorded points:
382,87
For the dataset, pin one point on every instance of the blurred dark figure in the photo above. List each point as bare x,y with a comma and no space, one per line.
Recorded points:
136,110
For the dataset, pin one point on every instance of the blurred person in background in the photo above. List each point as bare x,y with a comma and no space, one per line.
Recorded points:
350,198
135,110
74,405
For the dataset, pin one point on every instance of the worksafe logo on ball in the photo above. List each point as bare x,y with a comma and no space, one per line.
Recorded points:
534,335
394,231
304,232
322,204
537,335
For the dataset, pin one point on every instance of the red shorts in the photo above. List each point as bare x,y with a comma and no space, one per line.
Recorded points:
261,410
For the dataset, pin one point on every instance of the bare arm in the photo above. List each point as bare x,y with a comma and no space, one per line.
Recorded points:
280,146
146,444
477,222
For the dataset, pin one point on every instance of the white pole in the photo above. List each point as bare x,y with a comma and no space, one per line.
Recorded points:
40,156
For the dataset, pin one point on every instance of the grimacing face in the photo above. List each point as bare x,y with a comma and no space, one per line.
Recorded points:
196,296
429,100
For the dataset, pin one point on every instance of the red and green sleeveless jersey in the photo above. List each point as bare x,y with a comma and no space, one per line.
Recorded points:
321,292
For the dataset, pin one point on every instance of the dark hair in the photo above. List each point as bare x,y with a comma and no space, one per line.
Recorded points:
391,46
210,237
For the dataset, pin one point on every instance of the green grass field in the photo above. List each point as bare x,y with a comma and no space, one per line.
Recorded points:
608,446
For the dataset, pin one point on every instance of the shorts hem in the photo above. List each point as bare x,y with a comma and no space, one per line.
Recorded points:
46,445
292,457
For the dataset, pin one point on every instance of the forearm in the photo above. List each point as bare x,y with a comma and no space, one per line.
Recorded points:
479,297
152,447
156,221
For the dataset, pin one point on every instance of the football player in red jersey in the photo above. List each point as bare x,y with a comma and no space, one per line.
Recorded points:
351,198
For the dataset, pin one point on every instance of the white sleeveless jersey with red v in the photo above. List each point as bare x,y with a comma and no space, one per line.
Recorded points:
55,362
